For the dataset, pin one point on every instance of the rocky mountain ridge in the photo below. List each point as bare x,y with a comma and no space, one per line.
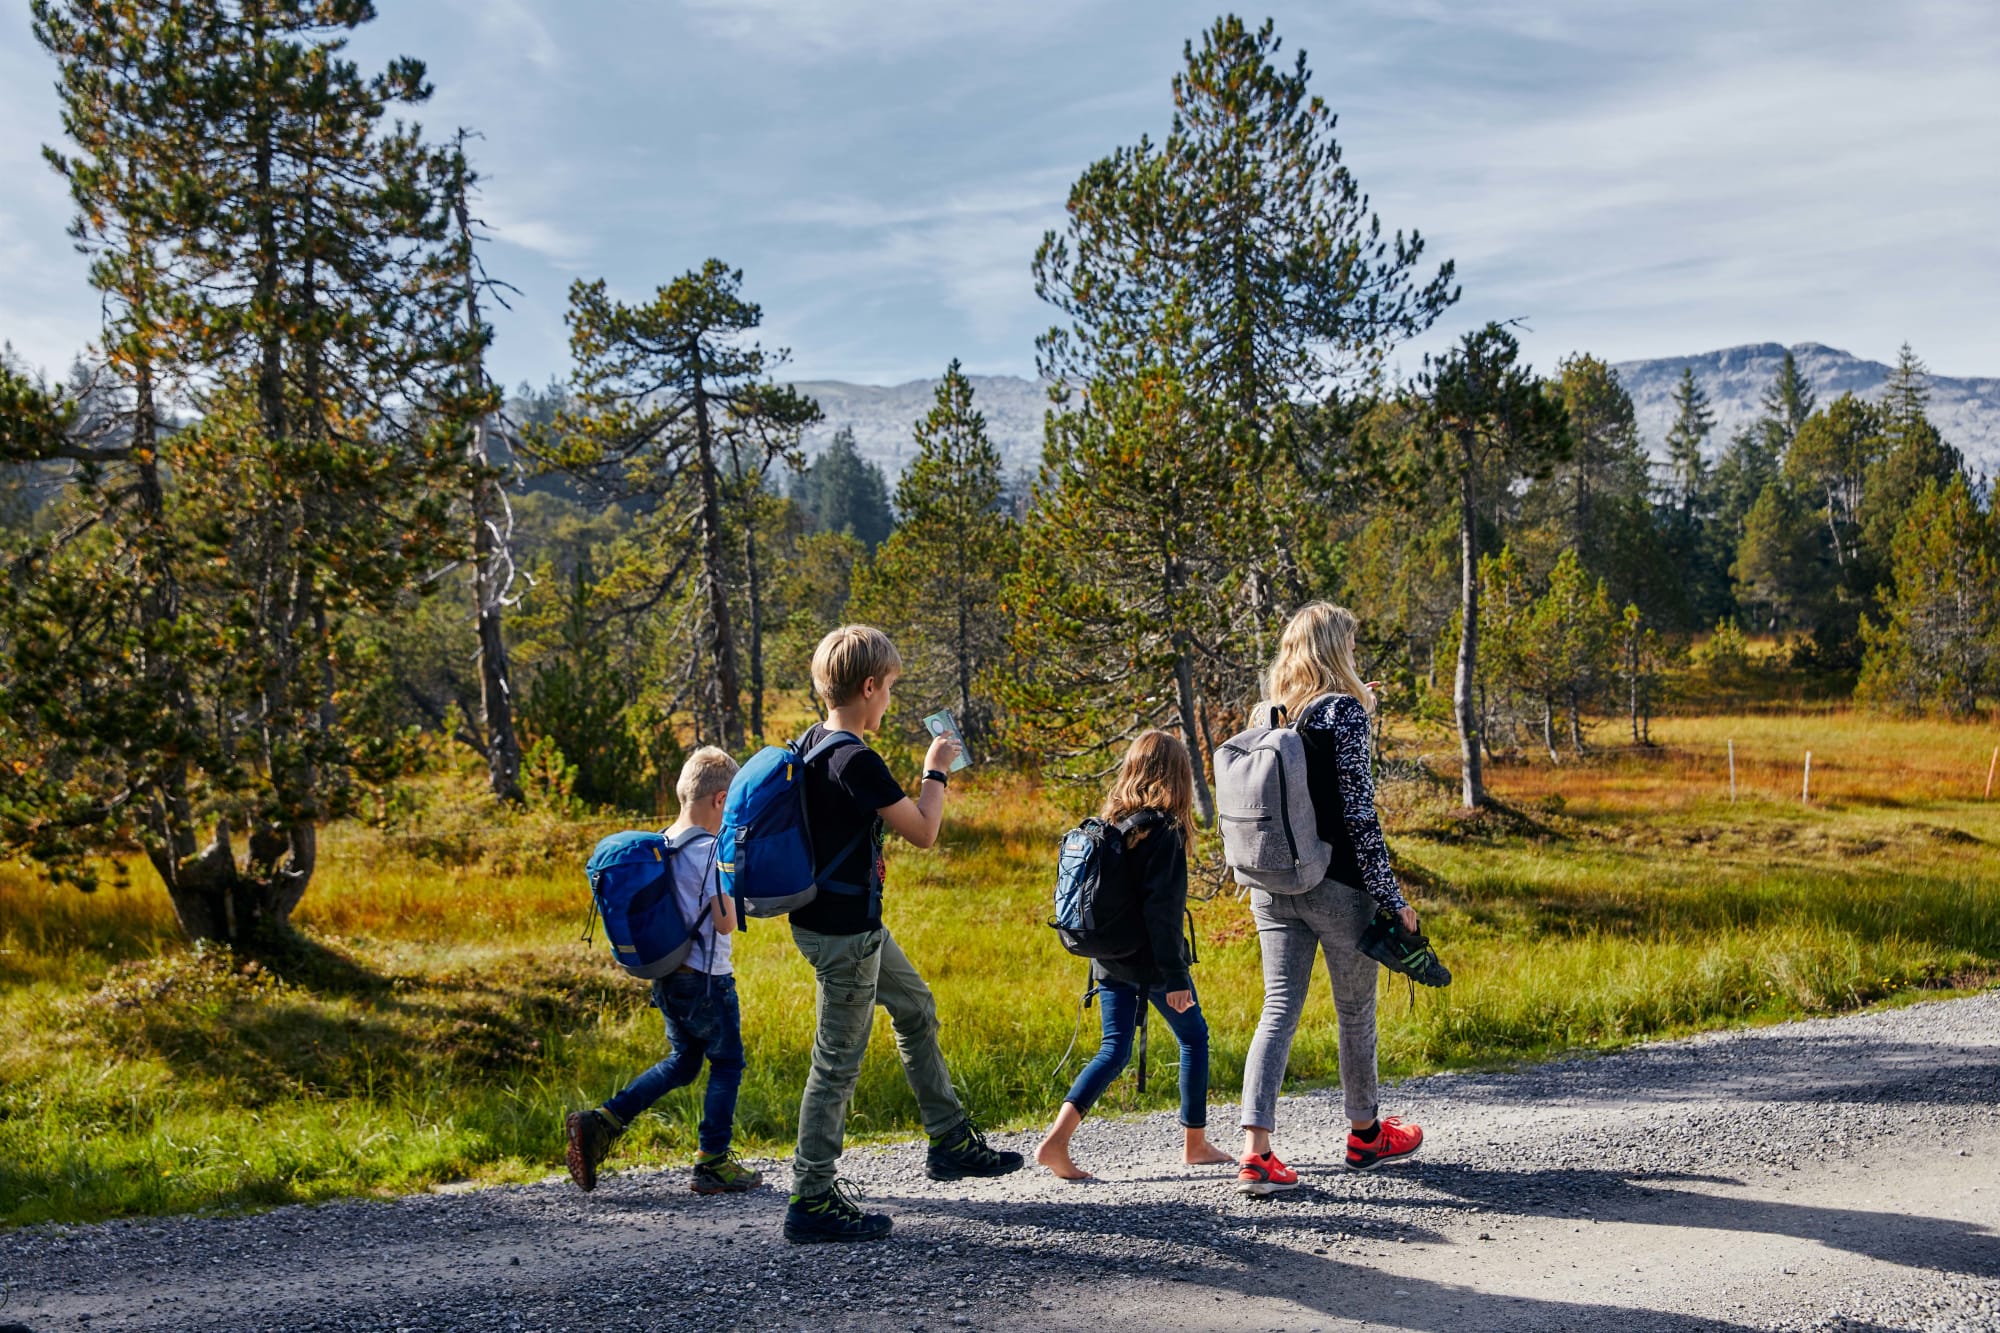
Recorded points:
1967,410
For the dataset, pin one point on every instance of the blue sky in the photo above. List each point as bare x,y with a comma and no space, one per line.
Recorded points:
1631,177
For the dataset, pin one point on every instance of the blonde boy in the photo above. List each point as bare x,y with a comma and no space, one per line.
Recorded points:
851,800
698,1002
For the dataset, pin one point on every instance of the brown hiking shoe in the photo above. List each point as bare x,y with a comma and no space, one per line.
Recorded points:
588,1138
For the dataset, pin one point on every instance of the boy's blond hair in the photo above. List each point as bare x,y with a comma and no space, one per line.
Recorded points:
706,772
846,658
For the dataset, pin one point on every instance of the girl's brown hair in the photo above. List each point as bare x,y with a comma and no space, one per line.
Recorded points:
1156,775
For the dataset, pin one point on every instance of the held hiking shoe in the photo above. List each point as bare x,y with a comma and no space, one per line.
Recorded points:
1394,1141
963,1151
1264,1174
588,1136
723,1174
1402,951
832,1216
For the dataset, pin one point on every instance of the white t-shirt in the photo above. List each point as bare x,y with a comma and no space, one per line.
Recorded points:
695,886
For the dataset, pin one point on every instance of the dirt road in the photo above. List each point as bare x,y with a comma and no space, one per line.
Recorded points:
1840,1174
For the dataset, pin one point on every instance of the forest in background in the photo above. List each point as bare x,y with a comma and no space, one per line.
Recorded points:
279,535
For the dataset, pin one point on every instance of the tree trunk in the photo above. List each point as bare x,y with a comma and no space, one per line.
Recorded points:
215,899
1549,728
1204,804
722,635
756,589
490,556
1632,674
1471,781
1575,722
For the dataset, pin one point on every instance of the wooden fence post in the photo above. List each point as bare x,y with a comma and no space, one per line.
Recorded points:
1732,771
1805,792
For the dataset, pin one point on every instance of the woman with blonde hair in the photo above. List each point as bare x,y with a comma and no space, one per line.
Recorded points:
1314,680
1151,805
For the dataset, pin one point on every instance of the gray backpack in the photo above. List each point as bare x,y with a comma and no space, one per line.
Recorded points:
1270,835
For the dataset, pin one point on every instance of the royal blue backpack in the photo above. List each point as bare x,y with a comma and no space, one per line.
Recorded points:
764,853
1097,910
632,886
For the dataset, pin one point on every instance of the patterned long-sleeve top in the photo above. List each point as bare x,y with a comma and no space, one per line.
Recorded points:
1339,775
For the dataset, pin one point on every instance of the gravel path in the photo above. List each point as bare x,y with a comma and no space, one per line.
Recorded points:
1841,1174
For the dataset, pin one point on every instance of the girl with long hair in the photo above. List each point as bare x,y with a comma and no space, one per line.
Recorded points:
1151,805
1314,679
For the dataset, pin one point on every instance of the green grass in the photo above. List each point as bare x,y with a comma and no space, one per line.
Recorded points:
440,1013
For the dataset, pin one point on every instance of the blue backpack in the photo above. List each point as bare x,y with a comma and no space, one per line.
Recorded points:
1097,910
632,888
764,852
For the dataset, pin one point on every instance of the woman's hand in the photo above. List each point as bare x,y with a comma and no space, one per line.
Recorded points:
943,752
1180,1001
1408,916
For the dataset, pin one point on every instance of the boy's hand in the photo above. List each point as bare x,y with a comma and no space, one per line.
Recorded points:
1180,1001
944,750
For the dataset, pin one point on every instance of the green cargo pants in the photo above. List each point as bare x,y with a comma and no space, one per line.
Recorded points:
855,973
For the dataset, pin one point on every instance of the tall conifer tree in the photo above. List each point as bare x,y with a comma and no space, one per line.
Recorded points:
935,583
295,282
673,410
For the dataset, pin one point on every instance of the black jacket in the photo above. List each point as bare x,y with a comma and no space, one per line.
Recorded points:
1337,747
1157,864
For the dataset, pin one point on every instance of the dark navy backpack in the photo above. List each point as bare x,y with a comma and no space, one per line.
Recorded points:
1097,912
632,885
764,853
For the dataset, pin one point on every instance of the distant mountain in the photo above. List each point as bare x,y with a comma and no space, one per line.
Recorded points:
882,417
1966,410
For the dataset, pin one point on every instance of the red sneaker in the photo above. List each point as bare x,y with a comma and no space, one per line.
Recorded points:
1393,1141
1265,1175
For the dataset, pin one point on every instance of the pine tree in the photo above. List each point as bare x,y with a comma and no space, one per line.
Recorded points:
1484,414
1829,458
1236,270
1113,596
843,492
935,583
1939,643
284,262
1783,579
1687,465
672,410
1757,453
1915,454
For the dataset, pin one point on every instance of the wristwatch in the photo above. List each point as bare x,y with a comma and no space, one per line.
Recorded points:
938,776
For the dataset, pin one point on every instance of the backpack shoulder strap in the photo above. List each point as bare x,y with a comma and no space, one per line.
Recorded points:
833,740
1268,714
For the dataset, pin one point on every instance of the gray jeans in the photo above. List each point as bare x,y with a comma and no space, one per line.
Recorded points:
1292,928
856,973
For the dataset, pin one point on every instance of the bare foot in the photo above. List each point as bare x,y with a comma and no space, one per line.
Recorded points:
1205,1153
1055,1156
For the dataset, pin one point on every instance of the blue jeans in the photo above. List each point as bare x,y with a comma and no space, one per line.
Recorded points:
703,1023
1119,1004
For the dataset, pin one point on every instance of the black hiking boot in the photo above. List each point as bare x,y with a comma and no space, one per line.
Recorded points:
963,1151
1402,950
832,1216
588,1138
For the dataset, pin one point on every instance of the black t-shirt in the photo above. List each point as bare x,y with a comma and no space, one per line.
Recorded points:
845,788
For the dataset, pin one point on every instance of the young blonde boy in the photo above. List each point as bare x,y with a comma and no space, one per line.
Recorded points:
851,800
698,1003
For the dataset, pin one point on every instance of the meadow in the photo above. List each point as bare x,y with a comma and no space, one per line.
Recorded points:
439,1012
